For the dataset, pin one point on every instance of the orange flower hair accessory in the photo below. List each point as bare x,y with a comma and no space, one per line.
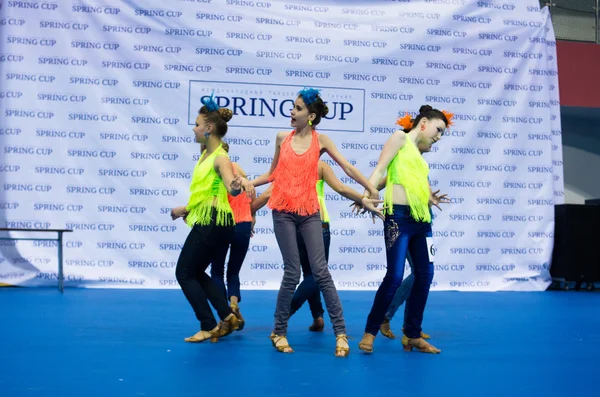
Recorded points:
448,117
405,122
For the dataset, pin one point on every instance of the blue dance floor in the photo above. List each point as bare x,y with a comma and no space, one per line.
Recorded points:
130,343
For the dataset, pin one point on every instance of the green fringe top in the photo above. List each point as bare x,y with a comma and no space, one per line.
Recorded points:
205,187
410,170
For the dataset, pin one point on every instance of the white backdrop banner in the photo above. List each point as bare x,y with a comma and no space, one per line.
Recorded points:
98,102
557,157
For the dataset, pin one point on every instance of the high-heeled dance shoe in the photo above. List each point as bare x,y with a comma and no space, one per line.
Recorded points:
227,326
280,343
202,336
342,349
366,343
386,330
419,344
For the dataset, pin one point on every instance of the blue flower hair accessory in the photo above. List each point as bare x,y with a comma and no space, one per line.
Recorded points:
309,95
210,103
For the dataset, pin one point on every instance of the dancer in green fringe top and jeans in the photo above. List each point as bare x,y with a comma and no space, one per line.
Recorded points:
407,225
404,291
210,215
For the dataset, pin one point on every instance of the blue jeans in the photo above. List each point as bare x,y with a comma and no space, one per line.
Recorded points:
308,290
403,235
237,254
403,292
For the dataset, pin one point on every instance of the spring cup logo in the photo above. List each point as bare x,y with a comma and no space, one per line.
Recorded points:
259,105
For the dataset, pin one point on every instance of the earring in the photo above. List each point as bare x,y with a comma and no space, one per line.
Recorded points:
310,122
206,134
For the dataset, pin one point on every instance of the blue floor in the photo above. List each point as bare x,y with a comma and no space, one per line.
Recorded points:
130,343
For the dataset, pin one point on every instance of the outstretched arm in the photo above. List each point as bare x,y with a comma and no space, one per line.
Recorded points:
333,182
350,170
383,182
264,178
390,149
330,179
234,185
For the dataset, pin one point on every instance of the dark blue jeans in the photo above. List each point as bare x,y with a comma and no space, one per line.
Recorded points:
403,292
308,290
403,234
237,253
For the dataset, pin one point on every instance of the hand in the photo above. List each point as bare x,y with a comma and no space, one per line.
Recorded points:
435,199
252,226
371,206
236,184
357,208
249,188
179,212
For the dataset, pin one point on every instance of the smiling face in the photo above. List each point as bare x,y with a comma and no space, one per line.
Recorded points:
300,114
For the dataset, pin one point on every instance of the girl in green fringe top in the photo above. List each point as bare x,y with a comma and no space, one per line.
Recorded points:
209,215
407,225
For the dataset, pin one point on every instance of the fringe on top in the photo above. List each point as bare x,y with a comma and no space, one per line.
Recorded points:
207,191
295,178
410,170
240,205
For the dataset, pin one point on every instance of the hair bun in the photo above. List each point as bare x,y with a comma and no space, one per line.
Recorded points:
425,109
325,110
226,114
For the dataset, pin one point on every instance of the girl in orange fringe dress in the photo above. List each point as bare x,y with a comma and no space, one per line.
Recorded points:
295,205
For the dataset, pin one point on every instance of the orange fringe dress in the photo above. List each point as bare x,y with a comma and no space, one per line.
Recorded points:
295,178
